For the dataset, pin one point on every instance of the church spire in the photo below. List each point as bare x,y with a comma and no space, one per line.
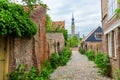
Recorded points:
73,25
73,19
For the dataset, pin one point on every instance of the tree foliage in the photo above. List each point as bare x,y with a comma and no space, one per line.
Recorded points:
48,23
32,3
15,21
73,42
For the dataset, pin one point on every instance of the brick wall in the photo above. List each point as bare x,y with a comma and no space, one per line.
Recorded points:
95,46
115,61
55,42
30,51
106,24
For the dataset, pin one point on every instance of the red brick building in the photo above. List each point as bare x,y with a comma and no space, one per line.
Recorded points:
111,32
59,24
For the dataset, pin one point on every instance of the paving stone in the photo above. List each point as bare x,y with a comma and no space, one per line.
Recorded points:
78,68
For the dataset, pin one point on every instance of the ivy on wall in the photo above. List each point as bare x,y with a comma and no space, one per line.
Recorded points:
14,21
117,11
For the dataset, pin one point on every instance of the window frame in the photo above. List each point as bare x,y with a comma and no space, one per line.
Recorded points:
112,6
110,44
97,37
115,45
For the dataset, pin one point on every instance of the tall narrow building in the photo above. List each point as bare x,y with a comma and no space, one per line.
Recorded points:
73,26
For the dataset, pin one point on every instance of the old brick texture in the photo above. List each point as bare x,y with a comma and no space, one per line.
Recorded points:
55,43
30,51
107,23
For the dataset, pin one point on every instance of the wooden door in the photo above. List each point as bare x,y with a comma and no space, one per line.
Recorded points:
2,58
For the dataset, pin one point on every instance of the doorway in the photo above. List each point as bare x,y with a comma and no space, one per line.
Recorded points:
2,57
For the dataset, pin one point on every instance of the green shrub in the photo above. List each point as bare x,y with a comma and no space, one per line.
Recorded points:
82,50
54,60
44,74
33,74
90,55
19,74
46,70
102,61
22,73
117,75
61,59
64,56
48,66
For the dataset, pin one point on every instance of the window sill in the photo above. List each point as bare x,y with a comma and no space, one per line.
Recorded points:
109,19
110,57
114,58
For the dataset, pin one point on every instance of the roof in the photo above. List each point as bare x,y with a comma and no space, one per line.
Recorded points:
55,36
91,36
60,24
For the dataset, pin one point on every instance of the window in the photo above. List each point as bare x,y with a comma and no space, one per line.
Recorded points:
109,45
98,36
115,46
112,5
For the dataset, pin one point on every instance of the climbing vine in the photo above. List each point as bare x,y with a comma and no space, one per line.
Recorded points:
15,21
117,11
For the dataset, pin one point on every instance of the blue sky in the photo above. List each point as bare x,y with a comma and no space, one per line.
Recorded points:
87,13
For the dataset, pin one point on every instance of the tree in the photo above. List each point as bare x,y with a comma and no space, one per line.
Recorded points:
73,42
48,23
32,3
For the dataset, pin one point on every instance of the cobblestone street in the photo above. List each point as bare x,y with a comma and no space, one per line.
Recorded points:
78,68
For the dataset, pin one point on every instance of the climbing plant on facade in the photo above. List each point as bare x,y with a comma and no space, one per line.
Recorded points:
117,11
14,21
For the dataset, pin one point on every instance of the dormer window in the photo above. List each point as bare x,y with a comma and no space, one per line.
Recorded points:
98,36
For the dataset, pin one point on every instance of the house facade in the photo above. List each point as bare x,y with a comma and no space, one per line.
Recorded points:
111,32
93,41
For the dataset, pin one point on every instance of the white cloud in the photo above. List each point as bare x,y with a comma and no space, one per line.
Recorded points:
87,13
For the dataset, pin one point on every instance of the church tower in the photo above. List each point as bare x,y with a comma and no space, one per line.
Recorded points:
73,26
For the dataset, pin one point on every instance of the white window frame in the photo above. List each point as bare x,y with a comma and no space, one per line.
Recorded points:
115,45
97,37
112,6
110,44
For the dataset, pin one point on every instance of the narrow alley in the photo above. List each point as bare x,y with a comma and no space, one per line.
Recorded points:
78,68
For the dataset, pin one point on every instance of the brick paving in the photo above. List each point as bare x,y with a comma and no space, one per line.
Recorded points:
78,68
